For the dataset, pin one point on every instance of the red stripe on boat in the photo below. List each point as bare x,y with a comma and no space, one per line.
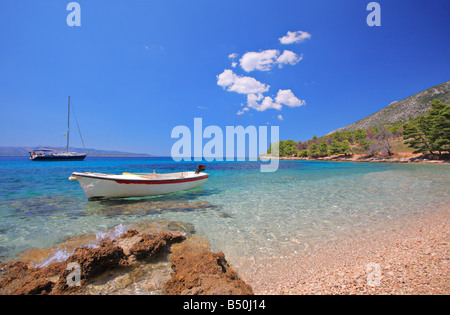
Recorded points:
157,182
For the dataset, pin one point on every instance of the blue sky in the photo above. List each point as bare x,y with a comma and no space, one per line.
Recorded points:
136,69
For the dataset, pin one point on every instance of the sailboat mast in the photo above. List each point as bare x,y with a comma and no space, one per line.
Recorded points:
68,126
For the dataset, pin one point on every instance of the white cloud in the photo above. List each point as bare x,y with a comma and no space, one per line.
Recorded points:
252,100
288,57
267,102
226,78
286,97
239,84
294,37
262,61
241,112
265,60
233,56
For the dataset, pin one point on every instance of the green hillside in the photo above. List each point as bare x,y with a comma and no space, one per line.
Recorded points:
402,110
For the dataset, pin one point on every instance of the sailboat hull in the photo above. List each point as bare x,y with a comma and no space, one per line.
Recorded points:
55,157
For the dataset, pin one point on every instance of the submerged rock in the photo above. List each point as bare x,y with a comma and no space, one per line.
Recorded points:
22,278
44,257
178,227
130,263
148,207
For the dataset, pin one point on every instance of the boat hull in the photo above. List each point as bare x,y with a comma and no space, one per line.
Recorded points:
97,187
59,158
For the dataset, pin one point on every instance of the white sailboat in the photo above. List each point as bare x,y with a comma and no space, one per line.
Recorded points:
48,154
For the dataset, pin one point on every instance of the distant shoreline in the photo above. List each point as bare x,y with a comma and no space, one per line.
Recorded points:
24,151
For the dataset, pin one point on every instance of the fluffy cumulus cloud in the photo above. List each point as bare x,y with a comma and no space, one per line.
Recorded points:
262,61
240,84
288,57
284,97
254,91
294,37
265,60
261,103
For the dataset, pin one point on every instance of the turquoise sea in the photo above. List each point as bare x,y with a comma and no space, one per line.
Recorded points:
240,210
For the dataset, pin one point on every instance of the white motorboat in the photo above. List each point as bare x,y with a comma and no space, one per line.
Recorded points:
105,186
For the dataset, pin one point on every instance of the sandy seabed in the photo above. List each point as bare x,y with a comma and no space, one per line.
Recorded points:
408,256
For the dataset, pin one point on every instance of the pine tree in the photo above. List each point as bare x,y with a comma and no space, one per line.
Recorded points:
360,135
439,119
323,149
336,148
290,147
431,132
345,149
312,150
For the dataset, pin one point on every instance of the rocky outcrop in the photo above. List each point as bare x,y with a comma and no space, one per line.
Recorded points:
197,270
21,278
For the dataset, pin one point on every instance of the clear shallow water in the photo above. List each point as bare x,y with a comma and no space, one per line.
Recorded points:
242,212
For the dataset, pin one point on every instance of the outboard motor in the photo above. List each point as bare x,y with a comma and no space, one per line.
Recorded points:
200,168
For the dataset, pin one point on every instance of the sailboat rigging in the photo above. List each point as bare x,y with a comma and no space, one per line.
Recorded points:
48,154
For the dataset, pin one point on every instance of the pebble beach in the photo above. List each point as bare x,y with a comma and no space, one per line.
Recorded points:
410,256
